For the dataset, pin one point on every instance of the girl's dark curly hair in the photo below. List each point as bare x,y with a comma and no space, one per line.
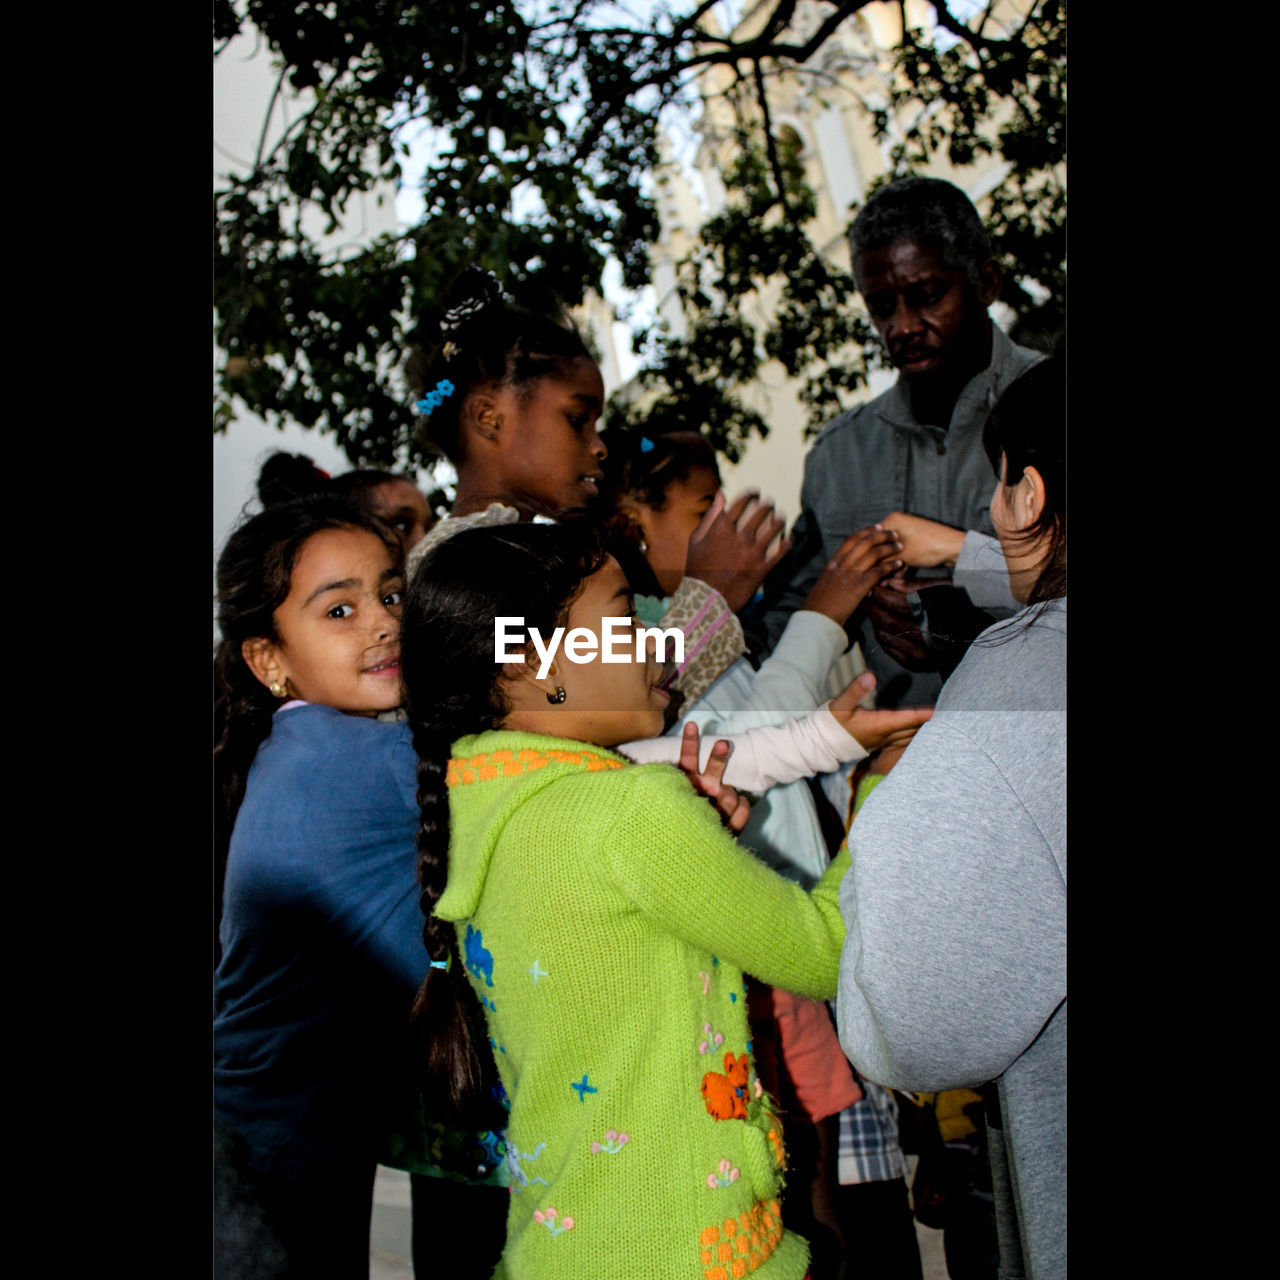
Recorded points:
452,688
253,576
483,339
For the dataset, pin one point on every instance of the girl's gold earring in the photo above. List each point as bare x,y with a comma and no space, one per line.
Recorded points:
278,690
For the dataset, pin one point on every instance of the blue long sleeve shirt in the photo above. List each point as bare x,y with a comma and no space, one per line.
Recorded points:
322,942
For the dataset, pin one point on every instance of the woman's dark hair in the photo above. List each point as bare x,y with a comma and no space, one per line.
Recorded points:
357,484
286,476
1028,427
452,688
253,576
481,338
643,466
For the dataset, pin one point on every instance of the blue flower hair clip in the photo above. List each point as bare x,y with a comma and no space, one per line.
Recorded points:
646,445
443,389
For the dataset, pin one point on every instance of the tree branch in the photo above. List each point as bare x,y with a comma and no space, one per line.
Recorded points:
266,119
770,142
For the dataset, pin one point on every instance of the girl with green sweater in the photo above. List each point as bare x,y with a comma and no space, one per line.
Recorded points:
602,917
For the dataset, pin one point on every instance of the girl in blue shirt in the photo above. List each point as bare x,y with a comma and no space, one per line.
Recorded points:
320,936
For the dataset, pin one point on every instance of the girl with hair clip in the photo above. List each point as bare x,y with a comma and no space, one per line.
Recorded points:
320,931
512,399
954,972
603,917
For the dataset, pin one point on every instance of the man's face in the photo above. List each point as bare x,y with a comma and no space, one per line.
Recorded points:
932,320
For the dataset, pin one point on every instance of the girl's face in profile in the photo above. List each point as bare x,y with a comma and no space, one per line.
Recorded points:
606,702
338,629
552,451
667,532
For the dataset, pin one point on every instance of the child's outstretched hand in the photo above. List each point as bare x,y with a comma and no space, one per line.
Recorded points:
888,728
734,809
862,560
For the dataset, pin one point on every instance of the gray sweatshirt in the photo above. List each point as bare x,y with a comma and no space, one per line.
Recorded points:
954,969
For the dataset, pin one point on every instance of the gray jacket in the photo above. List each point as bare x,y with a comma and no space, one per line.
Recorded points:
954,969
874,459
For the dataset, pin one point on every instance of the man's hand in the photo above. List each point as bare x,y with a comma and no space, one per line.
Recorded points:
891,619
926,544
733,548
888,729
862,560
734,809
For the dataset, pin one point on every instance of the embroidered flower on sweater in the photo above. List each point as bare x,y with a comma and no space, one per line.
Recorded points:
548,1218
612,1144
711,1039
726,1176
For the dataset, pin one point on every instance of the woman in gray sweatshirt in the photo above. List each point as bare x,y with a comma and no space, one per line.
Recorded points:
953,973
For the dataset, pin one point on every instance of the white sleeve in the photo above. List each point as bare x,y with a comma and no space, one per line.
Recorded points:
982,571
792,680
766,756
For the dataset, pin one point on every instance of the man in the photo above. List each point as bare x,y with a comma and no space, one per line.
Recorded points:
924,268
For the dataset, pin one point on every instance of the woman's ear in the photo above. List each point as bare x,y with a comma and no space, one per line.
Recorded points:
264,659
1030,498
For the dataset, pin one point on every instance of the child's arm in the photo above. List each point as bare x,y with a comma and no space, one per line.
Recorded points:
836,733
670,855
712,636
766,756
792,680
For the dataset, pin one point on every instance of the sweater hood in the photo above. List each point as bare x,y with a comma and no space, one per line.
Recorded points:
490,776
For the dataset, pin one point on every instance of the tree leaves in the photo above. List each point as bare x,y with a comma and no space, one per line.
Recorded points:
544,118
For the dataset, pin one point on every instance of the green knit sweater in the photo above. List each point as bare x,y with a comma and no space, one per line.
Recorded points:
606,918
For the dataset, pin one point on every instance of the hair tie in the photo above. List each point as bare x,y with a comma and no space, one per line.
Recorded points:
488,291
446,964
442,390
646,445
